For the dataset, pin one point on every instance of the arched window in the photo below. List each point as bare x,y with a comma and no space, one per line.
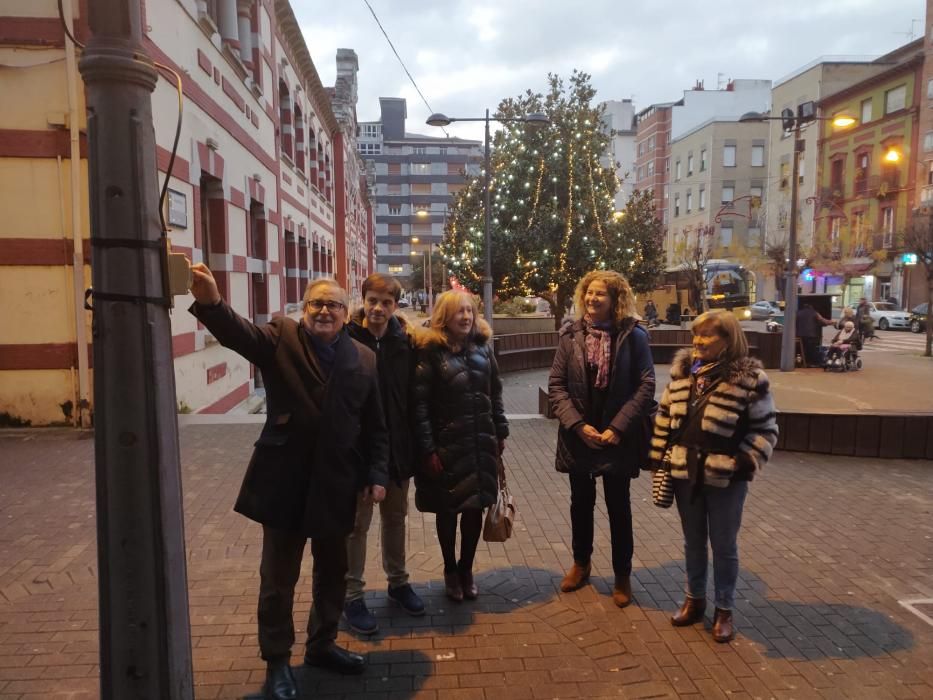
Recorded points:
299,141
285,119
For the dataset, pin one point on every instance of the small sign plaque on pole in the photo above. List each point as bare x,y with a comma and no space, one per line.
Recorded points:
177,209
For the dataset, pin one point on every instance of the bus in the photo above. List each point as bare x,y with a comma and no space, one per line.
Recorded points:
727,285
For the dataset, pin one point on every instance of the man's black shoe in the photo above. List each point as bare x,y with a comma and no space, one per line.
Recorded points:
280,683
333,658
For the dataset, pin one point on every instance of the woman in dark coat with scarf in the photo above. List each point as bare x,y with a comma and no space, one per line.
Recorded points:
601,390
460,430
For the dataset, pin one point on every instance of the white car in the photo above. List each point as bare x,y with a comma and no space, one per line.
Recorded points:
887,315
764,310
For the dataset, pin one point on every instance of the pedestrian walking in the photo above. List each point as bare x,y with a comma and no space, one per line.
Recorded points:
714,432
377,327
460,429
323,442
601,389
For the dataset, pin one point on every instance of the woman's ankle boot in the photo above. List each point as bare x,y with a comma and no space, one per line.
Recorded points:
578,575
723,629
690,612
622,591
452,586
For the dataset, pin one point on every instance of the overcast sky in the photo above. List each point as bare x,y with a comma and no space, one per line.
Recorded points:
468,55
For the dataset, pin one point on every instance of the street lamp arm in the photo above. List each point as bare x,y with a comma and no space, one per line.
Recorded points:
535,118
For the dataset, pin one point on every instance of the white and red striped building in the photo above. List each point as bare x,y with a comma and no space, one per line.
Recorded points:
267,187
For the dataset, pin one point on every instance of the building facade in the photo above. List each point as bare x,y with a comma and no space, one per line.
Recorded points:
416,177
718,176
811,82
699,105
652,155
253,191
867,183
618,123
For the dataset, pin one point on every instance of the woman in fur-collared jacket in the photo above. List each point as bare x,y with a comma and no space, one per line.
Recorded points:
460,431
714,432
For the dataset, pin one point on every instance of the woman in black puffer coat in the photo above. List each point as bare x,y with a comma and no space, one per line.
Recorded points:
460,429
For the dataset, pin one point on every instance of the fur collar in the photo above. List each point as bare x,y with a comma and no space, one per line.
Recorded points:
735,370
427,338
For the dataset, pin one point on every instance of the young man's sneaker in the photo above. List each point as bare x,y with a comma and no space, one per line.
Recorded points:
359,618
406,597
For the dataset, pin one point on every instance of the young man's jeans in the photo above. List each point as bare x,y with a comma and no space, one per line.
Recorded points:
714,516
393,511
619,508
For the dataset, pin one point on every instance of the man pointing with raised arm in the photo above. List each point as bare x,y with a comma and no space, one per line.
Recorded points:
324,441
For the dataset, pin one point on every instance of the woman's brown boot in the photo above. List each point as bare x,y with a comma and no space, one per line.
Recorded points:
575,578
452,587
690,612
622,591
723,630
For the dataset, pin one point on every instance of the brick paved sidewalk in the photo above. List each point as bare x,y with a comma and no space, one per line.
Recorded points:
829,547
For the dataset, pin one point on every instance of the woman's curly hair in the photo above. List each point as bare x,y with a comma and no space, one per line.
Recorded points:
620,294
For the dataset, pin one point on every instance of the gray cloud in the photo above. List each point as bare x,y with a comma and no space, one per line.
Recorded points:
467,56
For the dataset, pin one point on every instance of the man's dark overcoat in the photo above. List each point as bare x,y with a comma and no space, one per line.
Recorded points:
324,438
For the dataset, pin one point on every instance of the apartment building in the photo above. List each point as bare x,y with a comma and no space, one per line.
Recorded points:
416,177
867,182
811,82
652,155
718,175
618,123
261,165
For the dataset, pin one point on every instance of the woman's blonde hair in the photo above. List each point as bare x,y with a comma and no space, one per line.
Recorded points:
446,307
620,293
726,326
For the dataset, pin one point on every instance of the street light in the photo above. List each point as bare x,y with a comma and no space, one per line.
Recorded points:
806,113
535,120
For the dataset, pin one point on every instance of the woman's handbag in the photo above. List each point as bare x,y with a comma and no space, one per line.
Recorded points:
662,488
500,516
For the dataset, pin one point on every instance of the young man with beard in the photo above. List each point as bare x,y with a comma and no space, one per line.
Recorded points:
377,327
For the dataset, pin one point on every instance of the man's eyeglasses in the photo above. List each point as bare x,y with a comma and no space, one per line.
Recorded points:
318,304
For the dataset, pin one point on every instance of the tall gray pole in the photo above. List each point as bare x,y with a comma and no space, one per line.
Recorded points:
430,280
789,337
145,645
487,233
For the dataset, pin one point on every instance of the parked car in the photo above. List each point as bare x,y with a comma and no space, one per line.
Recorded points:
886,315
919,317
764,310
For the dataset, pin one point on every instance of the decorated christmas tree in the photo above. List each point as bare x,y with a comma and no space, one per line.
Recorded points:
552,201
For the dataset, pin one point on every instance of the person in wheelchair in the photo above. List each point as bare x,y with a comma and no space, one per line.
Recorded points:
844,347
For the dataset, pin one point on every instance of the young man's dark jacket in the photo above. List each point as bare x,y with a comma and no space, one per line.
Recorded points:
325,437
396,359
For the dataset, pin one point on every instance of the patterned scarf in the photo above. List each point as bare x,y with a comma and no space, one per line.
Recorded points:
598,349
705,375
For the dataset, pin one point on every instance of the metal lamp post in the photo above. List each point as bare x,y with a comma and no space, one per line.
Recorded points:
535,120
806,113
428,274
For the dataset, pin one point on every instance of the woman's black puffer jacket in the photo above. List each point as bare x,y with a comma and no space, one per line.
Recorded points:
459,415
